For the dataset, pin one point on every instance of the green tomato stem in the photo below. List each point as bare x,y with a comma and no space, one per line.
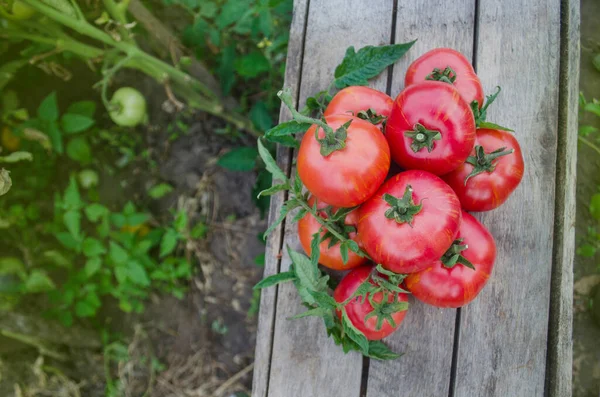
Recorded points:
588,143
117,13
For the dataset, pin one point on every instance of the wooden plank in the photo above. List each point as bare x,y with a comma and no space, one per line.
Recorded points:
560,345
305,362
266,319
427,334
503,336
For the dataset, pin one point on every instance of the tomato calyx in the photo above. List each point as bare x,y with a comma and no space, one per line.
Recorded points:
448,75
337,222
333,140
481,114
372,116
484,162
422,138
453,256
403,209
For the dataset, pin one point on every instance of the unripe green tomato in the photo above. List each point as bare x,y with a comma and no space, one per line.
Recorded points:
88,178
129,107
21,10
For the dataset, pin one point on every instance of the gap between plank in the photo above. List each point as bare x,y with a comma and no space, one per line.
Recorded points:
456,345
285,196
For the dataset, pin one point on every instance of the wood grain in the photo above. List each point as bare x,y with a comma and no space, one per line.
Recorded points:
560,344
504,331
305,362
266,319
427,334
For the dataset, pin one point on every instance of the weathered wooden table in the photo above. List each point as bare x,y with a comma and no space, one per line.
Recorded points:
515,339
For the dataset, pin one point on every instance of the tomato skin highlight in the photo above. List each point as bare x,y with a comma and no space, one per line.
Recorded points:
329,257
467,83
349,176
403,248
354,99
455,287
438,107
357,310
489,190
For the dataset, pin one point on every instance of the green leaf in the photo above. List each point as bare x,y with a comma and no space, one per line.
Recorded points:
79,150
93,247
285,209
15,157
493,126
314,248
226,71
57,258
55,136
48,109
353,333
265,22
586,250
272,190
160,190
181,221
595,206
199,231
316,312
65,318
38,281
11,265
379,351
95,211
239,159
83,108
169,242
121,274
275,279
72,198
596,62
92,266
208,9
67,240
117,253
137,274
5,181
137,219
84,309
585,130
287,128
306,272
593,107
260,116
231,12
368,62
263,182
74,123
270,163
251,65
72,221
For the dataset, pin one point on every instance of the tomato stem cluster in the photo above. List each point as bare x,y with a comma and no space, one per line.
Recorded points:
403,210
422,138
448,75
484,162
453,256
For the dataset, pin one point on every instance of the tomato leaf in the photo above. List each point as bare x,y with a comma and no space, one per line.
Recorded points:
55,136
493,126
83,108
260,116
314,248
264,180
79,150
285,209
137,274
379,351
283,132
368,62
272,190
74,123
317,312
239,159
95,211
353,333
270,163
160,190
299,215
48,109
38,281
92,266
275,279
252,65
169,242
93,247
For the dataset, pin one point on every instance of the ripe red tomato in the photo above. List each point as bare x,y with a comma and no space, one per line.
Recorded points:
450,66
350,175
449,283
358,309
363,102
492,172
430,128
410,222
329,255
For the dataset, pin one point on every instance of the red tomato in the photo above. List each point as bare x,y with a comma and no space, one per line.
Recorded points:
359,309
431,128
450,66
410,222
329,256
349,176
358,100
498,172
455,286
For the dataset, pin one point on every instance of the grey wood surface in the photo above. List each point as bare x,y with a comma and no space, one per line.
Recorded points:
515,339
427,335
333,25
504,332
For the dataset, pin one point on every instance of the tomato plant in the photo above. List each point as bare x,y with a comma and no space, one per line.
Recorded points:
376,314
21,11
343,168
430,128
410,222
329,247
363,102
462,272
492,172
449,66
128,107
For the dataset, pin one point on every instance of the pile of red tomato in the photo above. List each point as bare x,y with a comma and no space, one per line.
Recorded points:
411,217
